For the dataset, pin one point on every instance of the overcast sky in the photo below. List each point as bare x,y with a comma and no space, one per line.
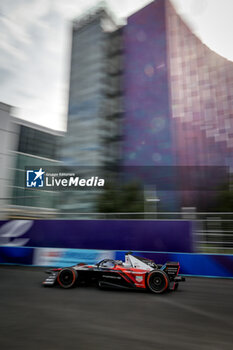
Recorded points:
35,48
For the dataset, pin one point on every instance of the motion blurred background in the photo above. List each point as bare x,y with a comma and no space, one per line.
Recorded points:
140,93
141,90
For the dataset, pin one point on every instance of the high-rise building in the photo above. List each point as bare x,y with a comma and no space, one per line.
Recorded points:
178,93
147,94
147,119
201,97
178,96
91,67
95,101
113,107
147,126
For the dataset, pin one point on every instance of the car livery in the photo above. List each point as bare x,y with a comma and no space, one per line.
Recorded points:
134,273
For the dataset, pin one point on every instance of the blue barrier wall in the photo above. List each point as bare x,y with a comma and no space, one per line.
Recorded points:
216,265
16,255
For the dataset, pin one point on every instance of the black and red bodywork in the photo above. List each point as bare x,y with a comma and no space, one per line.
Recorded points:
135,273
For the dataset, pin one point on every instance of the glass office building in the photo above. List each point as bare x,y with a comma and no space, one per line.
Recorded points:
178,96
147,94
178,93
95,104
201,86
147,121
37,147
8,134
83,144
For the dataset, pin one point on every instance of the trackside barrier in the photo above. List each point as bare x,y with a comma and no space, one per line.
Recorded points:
114,235
209,265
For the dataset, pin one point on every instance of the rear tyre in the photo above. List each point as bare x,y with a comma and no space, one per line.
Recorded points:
67,277
157,281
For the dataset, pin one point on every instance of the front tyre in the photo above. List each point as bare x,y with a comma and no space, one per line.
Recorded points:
67,277
157,281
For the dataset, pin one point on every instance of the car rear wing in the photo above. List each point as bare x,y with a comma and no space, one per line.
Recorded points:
171,268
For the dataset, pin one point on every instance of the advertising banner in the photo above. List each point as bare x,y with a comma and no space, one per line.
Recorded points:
68,257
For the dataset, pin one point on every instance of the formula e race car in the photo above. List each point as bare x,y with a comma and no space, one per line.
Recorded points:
135,273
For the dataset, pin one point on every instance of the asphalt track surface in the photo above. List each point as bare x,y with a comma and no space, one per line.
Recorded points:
199,315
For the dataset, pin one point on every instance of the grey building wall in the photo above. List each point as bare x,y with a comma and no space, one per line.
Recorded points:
8,140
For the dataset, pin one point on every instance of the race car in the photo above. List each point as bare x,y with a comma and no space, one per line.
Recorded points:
134,273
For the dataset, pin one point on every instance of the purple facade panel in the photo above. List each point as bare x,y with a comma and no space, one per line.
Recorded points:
201,88
147,132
